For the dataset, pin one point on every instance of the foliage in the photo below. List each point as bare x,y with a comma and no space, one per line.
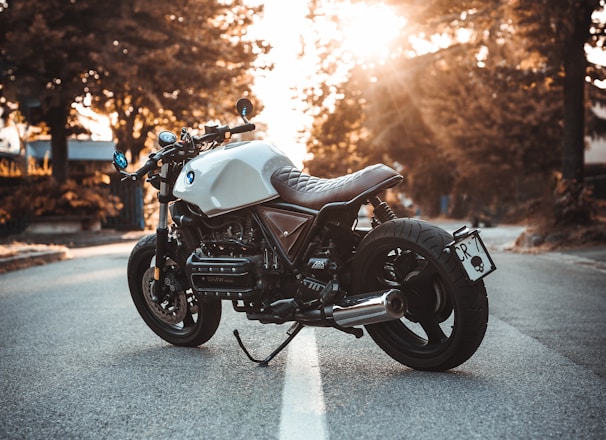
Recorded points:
540,71
44,196
10,168
499,136
489,115
148,62
572,202
46,47
338,136
171,65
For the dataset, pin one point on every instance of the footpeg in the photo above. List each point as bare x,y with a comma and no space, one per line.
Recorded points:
284,308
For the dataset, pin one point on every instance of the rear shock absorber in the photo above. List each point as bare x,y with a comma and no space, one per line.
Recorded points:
382,211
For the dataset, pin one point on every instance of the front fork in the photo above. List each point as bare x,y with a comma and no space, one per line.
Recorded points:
161,232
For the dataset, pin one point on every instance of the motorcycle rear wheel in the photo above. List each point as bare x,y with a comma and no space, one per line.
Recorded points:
181,320
447,315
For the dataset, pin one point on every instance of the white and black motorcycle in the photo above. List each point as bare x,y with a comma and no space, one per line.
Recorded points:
248,227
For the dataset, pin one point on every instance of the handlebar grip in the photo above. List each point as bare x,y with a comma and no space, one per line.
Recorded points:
150,165
242,128
218,133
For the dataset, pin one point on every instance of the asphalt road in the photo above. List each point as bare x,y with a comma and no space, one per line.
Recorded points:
76,361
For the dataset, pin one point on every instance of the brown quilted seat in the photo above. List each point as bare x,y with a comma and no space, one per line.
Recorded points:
299,188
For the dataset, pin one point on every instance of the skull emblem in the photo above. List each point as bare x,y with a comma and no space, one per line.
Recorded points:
478,263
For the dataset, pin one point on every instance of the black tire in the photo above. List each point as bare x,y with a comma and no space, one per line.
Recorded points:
447,315
183,320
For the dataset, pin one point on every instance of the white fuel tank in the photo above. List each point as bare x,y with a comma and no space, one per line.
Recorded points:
231,177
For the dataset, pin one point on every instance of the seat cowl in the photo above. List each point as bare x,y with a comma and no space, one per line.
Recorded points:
297,187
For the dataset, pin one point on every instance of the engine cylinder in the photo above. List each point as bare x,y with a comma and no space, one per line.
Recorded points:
223,278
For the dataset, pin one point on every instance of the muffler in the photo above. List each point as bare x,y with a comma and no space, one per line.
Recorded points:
369,308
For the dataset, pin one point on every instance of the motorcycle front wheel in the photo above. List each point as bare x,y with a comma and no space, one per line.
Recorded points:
446,317
179,318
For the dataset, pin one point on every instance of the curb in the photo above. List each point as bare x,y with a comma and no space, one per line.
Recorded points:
575,259
21,251
33,257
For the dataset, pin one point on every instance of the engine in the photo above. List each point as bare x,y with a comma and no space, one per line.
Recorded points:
225,265
225,278
235,262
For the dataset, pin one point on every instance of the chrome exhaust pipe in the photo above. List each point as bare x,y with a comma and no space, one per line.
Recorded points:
369,308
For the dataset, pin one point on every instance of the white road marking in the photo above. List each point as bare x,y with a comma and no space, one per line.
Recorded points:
303,411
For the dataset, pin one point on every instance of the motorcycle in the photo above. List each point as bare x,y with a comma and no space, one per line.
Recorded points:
248,227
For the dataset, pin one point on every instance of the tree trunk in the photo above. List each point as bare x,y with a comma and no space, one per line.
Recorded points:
57,121
575,64
572,207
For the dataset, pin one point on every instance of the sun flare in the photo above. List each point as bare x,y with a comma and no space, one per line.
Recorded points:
369,30
342,33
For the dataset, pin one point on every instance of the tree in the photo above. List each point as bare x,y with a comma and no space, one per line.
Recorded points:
46,47
148,63
403,135
561,31
545,59
337,136
501,104
171,65
492,124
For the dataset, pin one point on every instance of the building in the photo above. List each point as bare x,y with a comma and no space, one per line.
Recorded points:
85,157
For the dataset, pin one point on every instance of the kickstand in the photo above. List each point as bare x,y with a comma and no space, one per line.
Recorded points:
292,332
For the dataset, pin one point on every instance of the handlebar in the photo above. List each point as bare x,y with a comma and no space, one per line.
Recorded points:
243,128
150,165
220,133
217,134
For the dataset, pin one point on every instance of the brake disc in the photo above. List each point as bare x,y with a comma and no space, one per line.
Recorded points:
171,310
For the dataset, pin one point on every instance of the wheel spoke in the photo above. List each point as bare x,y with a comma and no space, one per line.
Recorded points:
420,287
403,264
432,328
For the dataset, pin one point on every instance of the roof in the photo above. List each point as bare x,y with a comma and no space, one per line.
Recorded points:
76,150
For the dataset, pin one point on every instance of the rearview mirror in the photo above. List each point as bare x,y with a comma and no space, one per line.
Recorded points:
120,161
244,107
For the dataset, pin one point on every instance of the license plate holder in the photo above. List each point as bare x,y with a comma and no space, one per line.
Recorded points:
472,254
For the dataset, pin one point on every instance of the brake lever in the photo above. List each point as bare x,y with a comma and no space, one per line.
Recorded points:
127,176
